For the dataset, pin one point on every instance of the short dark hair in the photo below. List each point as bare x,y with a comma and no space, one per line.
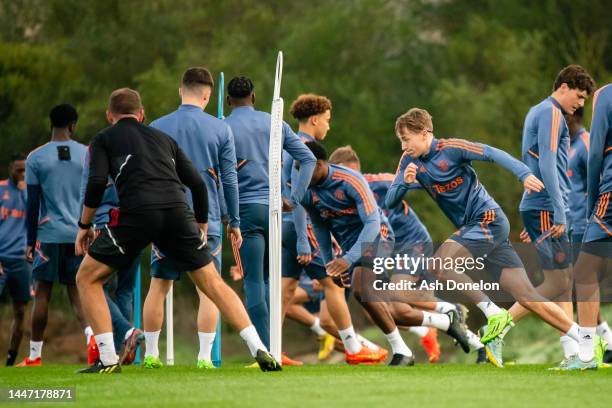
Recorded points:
196,77
63,115
317,150
240,87
308,105
124,101
17,156
575,77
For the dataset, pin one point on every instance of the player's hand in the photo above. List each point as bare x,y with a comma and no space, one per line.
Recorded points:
29,253
557,230
204,229
533,184
83,239
236,273
336,267
287,207
1,270
524,236
410,173
304,259
316,285
235,235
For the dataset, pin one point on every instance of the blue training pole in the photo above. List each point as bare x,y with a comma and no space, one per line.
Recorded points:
137,310
216,349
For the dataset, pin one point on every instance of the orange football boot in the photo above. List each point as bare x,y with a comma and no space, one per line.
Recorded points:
286,361
37,362
431,345
364,356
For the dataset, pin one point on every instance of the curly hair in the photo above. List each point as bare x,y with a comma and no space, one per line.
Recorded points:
308,105
575,77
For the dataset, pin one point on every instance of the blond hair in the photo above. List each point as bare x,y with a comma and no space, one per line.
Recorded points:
414,120
344,154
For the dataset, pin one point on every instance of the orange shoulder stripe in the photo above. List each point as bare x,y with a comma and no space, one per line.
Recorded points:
361,189
554,128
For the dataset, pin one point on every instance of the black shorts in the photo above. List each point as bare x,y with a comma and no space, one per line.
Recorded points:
173,230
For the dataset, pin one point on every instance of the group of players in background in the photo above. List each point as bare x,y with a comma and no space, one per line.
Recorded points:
336,221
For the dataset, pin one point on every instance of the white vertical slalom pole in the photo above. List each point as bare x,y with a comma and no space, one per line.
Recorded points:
169,328
275,212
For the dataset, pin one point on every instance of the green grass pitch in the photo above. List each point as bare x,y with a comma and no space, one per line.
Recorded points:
447,385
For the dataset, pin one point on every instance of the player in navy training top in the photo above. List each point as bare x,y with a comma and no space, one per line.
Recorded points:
443,168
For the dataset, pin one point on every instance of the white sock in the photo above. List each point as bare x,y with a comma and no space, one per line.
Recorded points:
367,343
569,345
397,343
206,343
88,333
586,345
349,339
107,348
128,333
316,327
35,349
603,331
488,308
474,340
444,307
250,336
419,330
151,343
574,332
437,320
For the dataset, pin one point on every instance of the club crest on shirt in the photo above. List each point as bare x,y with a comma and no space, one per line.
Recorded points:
6,196
442,165
339,194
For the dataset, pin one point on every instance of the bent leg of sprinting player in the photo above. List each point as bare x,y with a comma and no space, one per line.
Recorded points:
380,313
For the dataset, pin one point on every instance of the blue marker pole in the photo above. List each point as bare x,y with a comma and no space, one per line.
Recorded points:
137,310
216,349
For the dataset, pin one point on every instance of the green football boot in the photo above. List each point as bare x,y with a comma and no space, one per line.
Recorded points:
152,362
496,325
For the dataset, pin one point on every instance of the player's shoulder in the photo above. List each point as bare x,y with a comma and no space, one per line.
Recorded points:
378,177
38,151
603,96
80,146
459,144
347,175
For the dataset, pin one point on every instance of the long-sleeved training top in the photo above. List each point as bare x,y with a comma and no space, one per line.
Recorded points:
600,152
